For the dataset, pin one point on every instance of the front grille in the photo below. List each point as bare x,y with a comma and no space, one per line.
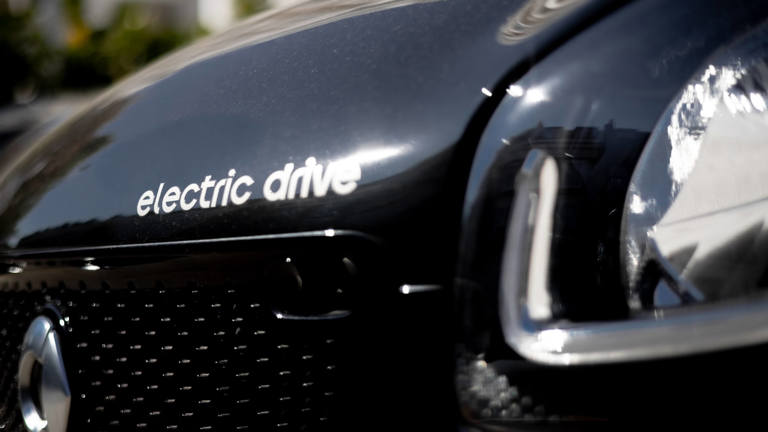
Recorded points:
16,308
218,342
200,358
192,358
287,335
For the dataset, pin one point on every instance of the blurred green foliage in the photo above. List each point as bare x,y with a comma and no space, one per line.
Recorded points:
106,55
25,60
244,8
89,58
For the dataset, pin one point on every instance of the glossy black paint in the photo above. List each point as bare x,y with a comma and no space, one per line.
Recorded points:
403,86
594,102
406,82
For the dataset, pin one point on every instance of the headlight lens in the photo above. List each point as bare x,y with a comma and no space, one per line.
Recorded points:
697,206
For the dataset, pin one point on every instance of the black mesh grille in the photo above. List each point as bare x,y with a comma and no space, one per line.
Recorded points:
16,309
196,357
304,334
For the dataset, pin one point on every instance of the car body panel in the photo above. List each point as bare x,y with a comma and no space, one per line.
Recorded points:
395,88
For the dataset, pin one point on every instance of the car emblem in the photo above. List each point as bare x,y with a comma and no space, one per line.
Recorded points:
44,395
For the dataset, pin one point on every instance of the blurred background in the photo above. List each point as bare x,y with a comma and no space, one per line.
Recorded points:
55,54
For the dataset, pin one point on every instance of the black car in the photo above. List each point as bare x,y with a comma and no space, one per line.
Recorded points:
401,215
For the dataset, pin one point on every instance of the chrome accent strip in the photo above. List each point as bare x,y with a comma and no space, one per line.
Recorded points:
327,233
337,314
417,289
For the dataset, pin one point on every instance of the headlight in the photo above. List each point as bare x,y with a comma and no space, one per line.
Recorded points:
697,205
694,230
